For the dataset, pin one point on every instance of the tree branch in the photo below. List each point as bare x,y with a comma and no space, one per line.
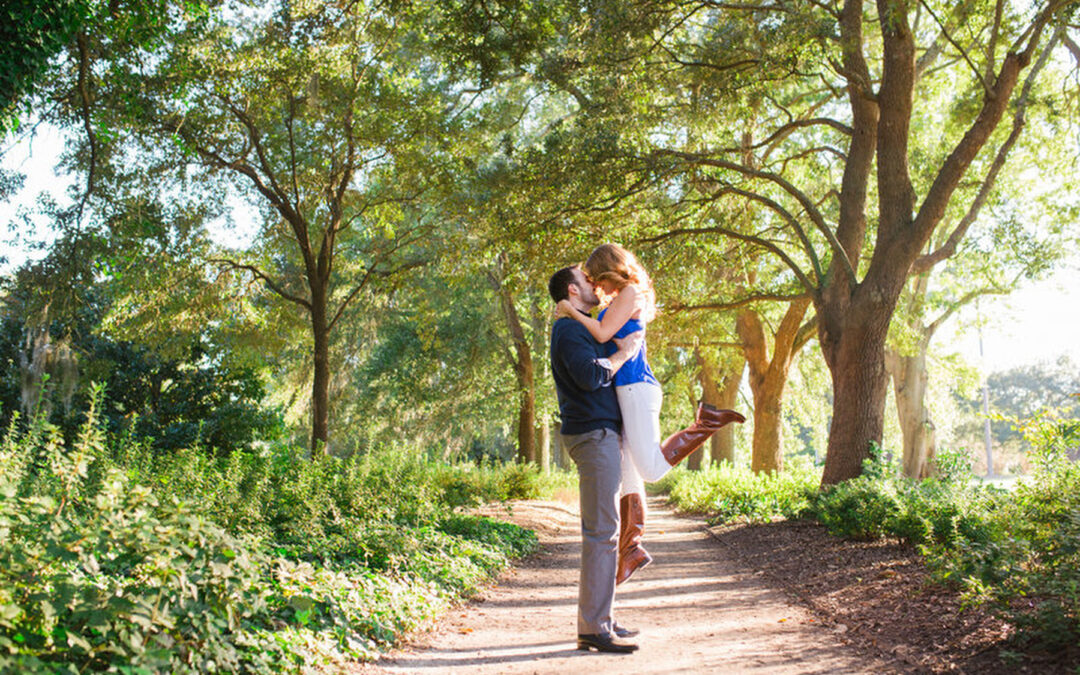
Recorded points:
270,283
791,220
758,241
808,205
807,331
736,304
926,262
968,297
85,103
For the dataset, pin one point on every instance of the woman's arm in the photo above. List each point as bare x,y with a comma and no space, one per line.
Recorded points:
618,313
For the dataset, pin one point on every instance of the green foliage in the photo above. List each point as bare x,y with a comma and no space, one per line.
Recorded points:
114,556
197,393
942,510
1030,571
32,32
728,493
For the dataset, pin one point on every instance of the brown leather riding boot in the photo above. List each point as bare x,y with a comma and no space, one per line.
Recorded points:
708,420
632,556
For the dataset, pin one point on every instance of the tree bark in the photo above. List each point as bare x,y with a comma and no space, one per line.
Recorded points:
910,378
723,441
320,385
543,444
523,366
768,378
854,349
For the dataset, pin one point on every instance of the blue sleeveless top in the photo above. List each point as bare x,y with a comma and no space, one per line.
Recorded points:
637,368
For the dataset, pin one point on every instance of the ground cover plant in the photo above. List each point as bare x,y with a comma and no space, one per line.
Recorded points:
1014,551
726,492
113,556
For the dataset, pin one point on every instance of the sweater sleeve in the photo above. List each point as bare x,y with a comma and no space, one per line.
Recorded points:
588,370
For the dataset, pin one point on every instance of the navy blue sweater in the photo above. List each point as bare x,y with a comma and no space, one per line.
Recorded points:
583,383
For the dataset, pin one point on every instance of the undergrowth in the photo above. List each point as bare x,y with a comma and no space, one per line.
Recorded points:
113,557
725,492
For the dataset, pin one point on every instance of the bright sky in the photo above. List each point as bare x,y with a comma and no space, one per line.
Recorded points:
1039,322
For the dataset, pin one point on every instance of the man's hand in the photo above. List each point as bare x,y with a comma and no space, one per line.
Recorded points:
630,344
628,347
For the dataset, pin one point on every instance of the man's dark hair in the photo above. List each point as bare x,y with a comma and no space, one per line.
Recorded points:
559,286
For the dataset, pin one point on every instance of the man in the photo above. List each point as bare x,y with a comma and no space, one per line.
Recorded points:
591,425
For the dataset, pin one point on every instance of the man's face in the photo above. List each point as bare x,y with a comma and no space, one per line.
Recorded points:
585,289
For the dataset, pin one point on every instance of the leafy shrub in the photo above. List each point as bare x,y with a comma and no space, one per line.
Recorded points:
861,508
1030,571
521,481
727,492
113,557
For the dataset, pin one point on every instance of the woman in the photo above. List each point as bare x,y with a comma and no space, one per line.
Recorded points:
617,274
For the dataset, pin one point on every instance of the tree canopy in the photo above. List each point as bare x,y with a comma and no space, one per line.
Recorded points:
411,173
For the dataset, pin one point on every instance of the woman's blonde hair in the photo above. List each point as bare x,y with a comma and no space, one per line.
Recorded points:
611,262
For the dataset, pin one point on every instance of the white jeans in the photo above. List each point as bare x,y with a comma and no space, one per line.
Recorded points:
642,459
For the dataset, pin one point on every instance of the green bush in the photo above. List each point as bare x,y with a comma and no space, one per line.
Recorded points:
113,557
946,510
1030,571
860,508
726,492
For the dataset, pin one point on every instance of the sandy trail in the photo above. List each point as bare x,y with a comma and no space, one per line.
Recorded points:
697,608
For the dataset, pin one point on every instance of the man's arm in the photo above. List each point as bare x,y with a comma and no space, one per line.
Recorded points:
587,370
628,347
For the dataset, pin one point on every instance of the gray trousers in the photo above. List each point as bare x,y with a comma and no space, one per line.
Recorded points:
598,460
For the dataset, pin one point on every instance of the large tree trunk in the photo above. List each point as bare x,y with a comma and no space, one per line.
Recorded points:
768,378
523,366
526,417
320,385
722,394
526,384
853,344
768,448
910,378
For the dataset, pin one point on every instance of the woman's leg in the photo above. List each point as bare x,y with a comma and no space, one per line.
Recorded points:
640,404
632,555
631,479
640,407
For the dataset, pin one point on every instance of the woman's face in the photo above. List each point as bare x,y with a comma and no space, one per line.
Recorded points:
606,286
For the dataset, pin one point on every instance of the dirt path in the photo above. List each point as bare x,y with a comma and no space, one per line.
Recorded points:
698,611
